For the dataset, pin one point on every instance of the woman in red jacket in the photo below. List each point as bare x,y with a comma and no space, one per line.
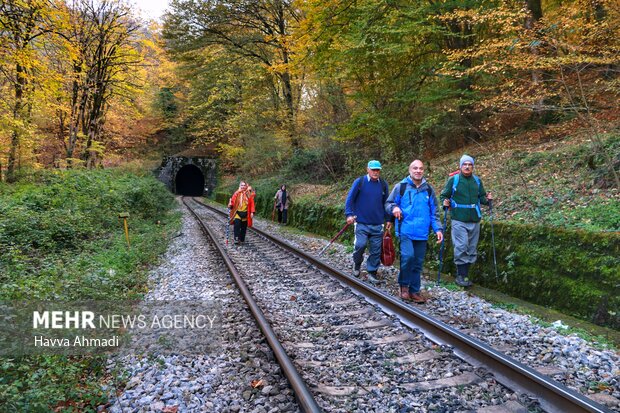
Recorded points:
241,211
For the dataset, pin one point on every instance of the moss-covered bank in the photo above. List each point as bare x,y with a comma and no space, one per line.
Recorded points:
577,272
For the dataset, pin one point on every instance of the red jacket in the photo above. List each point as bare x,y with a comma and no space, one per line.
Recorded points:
235,201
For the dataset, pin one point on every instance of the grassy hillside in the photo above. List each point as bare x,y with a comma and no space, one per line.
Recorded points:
61,240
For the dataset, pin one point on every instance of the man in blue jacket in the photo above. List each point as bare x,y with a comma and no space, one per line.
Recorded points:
414,204
364,207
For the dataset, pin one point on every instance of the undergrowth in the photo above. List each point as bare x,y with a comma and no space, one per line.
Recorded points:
61,239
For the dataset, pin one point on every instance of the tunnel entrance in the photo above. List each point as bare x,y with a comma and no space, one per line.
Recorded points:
189,181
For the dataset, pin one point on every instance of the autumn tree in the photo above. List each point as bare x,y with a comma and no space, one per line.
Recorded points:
22,25
380,60
244,33
559,59
106,56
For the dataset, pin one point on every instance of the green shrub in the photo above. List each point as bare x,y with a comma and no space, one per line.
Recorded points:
304,163
61,239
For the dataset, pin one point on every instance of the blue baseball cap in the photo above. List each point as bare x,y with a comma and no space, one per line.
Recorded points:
374,165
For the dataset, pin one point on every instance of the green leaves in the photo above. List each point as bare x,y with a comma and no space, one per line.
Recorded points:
60,239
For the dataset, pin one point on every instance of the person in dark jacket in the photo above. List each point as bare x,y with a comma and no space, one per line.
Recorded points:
364,207
463,194
415,207
282,203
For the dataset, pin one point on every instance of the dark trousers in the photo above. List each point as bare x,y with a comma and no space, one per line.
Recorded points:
372,235
282,216
240,229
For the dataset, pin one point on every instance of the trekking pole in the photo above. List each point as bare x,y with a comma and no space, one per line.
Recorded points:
493,238
335,238
227,225
443,240
273,213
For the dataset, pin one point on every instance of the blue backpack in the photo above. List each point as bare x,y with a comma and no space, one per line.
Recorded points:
384,187
475,206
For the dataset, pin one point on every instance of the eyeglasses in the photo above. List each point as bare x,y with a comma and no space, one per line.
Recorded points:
376,170
468,165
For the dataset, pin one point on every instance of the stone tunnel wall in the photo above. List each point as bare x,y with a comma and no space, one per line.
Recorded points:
171,165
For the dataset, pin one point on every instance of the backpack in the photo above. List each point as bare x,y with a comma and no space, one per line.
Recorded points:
403,189
384,187
475,206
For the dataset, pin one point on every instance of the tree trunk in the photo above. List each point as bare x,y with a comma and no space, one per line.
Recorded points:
462,39
95,126
20,82
535,9
79,99
285,77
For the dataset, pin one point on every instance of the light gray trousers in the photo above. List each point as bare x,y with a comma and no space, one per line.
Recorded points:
465,241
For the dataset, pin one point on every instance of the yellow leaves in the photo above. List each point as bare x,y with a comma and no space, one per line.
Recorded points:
501,16
231,151
278,68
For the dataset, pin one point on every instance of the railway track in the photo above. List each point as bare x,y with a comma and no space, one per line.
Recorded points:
340,353
223,379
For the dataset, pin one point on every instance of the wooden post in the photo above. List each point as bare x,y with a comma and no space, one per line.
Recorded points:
125,216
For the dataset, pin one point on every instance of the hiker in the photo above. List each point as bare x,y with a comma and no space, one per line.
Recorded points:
242,209
364,207
463,194
282,202
414,203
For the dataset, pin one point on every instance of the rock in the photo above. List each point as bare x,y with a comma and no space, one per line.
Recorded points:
145,401
133,382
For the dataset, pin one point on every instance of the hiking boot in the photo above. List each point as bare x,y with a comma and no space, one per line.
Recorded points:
404,293
463,281
356,271
376,276
236,242
417,298
372,277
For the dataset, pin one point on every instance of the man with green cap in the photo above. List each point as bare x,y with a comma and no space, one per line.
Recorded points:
463,194
364,207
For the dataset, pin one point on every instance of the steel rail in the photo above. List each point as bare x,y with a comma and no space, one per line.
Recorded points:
552,395
306,401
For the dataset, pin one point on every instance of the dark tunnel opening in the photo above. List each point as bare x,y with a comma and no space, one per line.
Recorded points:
189,181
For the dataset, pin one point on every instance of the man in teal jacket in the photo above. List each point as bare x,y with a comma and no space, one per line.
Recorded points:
414,204
463,194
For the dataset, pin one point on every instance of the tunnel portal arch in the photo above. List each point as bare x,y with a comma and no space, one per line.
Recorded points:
185,172
189,181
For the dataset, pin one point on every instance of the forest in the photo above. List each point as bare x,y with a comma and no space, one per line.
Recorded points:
312,86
